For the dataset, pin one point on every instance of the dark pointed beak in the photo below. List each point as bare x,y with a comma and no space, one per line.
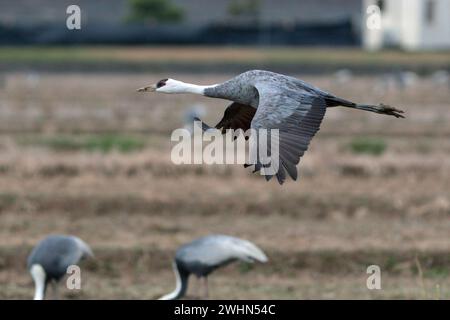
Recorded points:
147,89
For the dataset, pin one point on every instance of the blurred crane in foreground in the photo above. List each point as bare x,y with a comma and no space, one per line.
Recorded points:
49,260
203,255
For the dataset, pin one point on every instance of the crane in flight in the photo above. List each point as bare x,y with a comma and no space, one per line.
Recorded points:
267,100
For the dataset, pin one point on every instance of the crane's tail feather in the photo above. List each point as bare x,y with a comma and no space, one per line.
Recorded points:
249,252
381,109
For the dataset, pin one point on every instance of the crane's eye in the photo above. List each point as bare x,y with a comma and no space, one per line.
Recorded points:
161,83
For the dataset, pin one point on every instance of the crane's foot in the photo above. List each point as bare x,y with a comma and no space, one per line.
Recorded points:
391,111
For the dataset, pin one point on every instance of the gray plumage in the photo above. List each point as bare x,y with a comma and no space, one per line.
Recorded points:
288,104
204,255
54,255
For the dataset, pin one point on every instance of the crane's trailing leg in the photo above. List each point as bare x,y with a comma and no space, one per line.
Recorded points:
333,101
382,109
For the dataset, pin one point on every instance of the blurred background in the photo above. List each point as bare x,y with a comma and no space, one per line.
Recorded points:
82,153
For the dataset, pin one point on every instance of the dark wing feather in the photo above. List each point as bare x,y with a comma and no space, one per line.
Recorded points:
297,115
236,116
205,127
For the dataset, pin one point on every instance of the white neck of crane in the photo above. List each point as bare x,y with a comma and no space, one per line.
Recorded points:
175,86
174,293
38,275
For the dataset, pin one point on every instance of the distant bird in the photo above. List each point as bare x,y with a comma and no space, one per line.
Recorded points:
204,255
267,100
441,77
32,80
342,76
49,260
385,84
398,80
406,79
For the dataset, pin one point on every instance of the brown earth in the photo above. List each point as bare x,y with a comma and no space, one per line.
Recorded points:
348,210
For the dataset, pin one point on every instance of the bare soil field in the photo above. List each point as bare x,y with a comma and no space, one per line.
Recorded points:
85,154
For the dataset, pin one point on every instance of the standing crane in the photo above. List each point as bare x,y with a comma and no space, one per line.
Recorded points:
49,260
204,255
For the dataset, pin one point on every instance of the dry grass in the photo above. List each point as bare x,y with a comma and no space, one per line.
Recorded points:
209,55
348,210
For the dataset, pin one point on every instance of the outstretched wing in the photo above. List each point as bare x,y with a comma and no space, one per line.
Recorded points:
236,116
297,116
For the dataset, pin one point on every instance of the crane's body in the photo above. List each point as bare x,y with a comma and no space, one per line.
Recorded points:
267,100
49,260
243,88
204,255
